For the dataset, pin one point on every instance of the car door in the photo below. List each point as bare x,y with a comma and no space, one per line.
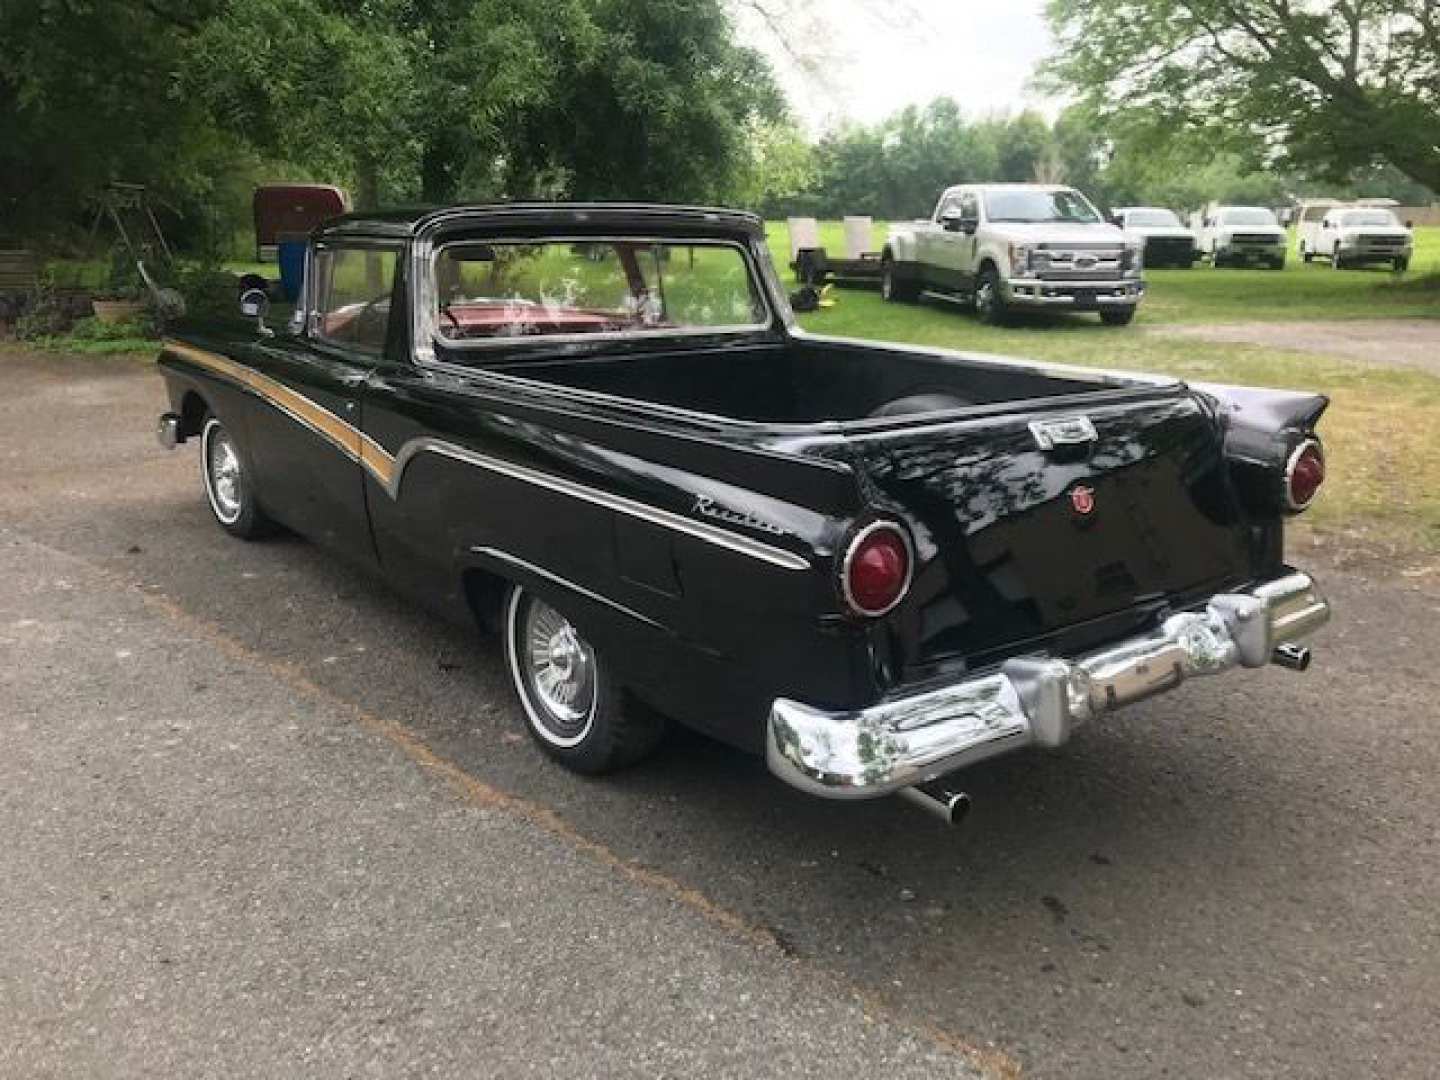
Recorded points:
942,259
966,242
308,447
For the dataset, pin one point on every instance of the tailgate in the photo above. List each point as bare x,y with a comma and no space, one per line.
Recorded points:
1016,542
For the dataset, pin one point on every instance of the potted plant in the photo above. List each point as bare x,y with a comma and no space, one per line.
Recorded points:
122,296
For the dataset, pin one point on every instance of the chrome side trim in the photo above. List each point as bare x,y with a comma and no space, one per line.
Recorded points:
389,470
700,530
563,582
914,739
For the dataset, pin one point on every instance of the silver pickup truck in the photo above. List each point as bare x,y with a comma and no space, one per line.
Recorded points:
1006,247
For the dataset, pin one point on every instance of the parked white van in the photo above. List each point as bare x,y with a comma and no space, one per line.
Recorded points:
1357,236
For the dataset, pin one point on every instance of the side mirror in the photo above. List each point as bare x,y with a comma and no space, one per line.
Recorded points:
254,304
1409,224
1325,224
969,226
952,221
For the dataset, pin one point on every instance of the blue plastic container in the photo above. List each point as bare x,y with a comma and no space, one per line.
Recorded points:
290,252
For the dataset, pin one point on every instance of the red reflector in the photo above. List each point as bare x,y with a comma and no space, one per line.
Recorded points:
1304,475
877,570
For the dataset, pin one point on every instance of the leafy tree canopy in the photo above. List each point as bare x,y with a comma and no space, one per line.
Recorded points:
1321,86
400,100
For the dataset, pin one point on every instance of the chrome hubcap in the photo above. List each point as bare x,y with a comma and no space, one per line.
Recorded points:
558,669
223,473
985,298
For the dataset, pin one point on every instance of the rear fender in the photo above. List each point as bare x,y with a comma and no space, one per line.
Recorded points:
1261,429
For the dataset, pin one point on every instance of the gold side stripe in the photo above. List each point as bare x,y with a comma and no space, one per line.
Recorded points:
389,469
347,438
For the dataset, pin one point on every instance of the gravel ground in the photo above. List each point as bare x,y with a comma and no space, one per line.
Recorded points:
298,829
1413,343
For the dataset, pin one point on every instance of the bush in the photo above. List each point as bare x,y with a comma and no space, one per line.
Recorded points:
48,311
92,329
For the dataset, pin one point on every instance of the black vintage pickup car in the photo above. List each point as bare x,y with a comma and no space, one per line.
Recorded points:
597,428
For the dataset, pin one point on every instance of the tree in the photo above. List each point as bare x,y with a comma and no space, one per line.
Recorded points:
399,100
1326,87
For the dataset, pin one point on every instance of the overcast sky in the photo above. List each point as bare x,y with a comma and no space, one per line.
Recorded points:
869,58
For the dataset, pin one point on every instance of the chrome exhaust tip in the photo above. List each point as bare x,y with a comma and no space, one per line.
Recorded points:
949,806
1294,657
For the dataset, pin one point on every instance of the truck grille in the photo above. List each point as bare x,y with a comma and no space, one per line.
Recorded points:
1383,241
1079,263
1254,238
1169,249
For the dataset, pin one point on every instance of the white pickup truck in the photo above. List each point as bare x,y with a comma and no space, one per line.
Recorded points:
1007,247
1237,235
1356,236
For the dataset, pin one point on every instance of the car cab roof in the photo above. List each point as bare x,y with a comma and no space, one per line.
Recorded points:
582,218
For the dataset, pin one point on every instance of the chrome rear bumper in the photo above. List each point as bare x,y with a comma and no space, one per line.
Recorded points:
1032,700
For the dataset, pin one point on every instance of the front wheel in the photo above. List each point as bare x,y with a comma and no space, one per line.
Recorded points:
990,303
1306,255
573,706
229,486
1402,264
1277,264
1118,317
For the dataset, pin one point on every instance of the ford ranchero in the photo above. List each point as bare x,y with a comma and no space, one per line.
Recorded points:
597,430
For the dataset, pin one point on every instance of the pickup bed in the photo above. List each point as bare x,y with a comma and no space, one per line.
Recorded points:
597,429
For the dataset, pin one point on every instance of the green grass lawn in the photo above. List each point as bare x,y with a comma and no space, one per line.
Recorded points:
1382,432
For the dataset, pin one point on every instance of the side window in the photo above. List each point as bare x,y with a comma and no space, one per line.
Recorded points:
352,302
970,206
949,205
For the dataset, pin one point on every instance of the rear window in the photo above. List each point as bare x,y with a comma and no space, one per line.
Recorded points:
566,288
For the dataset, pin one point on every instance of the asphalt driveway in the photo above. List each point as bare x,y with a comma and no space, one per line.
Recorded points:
263,816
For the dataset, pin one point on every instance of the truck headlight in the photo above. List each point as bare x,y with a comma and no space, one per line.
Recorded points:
1022,260
1133,261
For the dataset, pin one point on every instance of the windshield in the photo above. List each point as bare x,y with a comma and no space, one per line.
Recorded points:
508,290
1151,218
1248,215
1375,219
1031,205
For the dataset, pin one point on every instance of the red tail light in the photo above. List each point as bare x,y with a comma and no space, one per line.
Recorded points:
1304,473
875,573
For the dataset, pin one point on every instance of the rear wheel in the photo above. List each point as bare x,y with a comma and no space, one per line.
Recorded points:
1118,317
229,486
895,288
990,303
573,707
